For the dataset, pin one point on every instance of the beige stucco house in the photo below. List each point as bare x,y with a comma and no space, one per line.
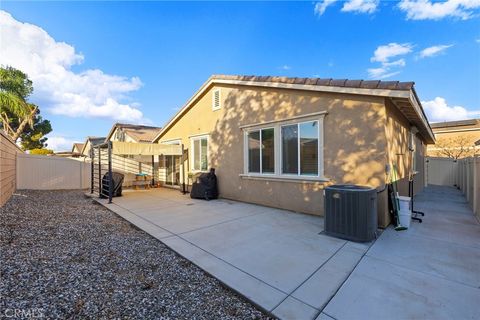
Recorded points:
77,148
132,133
131,165
279,141
455,139
89,143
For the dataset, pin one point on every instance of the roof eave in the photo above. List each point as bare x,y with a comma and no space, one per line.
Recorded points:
347,90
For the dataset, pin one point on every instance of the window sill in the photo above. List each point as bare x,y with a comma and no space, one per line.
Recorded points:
296,179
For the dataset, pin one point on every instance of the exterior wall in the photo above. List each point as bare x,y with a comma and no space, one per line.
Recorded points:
354,141
398,130
8,159
86,149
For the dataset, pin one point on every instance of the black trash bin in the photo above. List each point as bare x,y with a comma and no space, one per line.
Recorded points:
351,212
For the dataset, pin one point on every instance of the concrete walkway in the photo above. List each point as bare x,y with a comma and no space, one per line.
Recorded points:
279,261
276,258
431,271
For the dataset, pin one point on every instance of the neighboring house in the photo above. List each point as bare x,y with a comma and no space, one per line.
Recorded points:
131,165
75,153
455,139
132,133
67,154
77,148
89,143
279,141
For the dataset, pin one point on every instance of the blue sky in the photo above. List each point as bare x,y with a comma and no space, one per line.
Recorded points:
97,63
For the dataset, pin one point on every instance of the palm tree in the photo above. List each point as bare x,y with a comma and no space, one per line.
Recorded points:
15,87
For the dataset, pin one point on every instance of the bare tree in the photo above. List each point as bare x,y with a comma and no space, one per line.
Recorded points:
455,148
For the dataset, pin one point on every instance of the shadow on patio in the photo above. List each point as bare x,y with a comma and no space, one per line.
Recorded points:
430,271
276,258
281,262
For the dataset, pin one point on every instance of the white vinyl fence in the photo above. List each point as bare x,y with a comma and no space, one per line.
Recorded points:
51,173
463,174
442,171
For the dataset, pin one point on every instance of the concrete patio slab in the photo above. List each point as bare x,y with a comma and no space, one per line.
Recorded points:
330,276
429,271
324,316
436,257
263,253
294,309
287,247
257,291
378,289
281,261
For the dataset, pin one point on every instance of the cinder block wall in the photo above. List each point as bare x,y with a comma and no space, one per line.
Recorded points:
8,159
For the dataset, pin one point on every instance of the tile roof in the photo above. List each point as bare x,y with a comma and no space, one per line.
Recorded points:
140,133
96,140
79,146
458,123
364,84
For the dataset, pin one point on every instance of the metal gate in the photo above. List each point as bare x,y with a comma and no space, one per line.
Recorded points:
101,171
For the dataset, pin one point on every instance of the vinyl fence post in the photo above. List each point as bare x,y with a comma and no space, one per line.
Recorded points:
110,177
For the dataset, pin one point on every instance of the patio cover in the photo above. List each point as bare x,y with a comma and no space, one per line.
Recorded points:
146,149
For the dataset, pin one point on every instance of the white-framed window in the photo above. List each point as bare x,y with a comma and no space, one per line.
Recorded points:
285,149
300,148
216,99
261,151
199,154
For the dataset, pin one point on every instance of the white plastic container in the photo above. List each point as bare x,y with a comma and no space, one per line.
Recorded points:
404,203
405,217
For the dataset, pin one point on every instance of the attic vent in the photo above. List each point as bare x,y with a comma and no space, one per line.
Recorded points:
216,99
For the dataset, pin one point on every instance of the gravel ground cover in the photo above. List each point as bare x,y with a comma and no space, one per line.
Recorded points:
64,256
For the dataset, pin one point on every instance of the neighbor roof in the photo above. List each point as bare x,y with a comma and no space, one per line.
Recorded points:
459,123
79,146
402,94
96,140
93,141
139,133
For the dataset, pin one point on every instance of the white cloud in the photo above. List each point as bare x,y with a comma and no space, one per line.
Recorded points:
361,6
434,50
48,63
428,10
477,40
381,73
396,63
285,67
59,143
321,6
438,110
385,52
